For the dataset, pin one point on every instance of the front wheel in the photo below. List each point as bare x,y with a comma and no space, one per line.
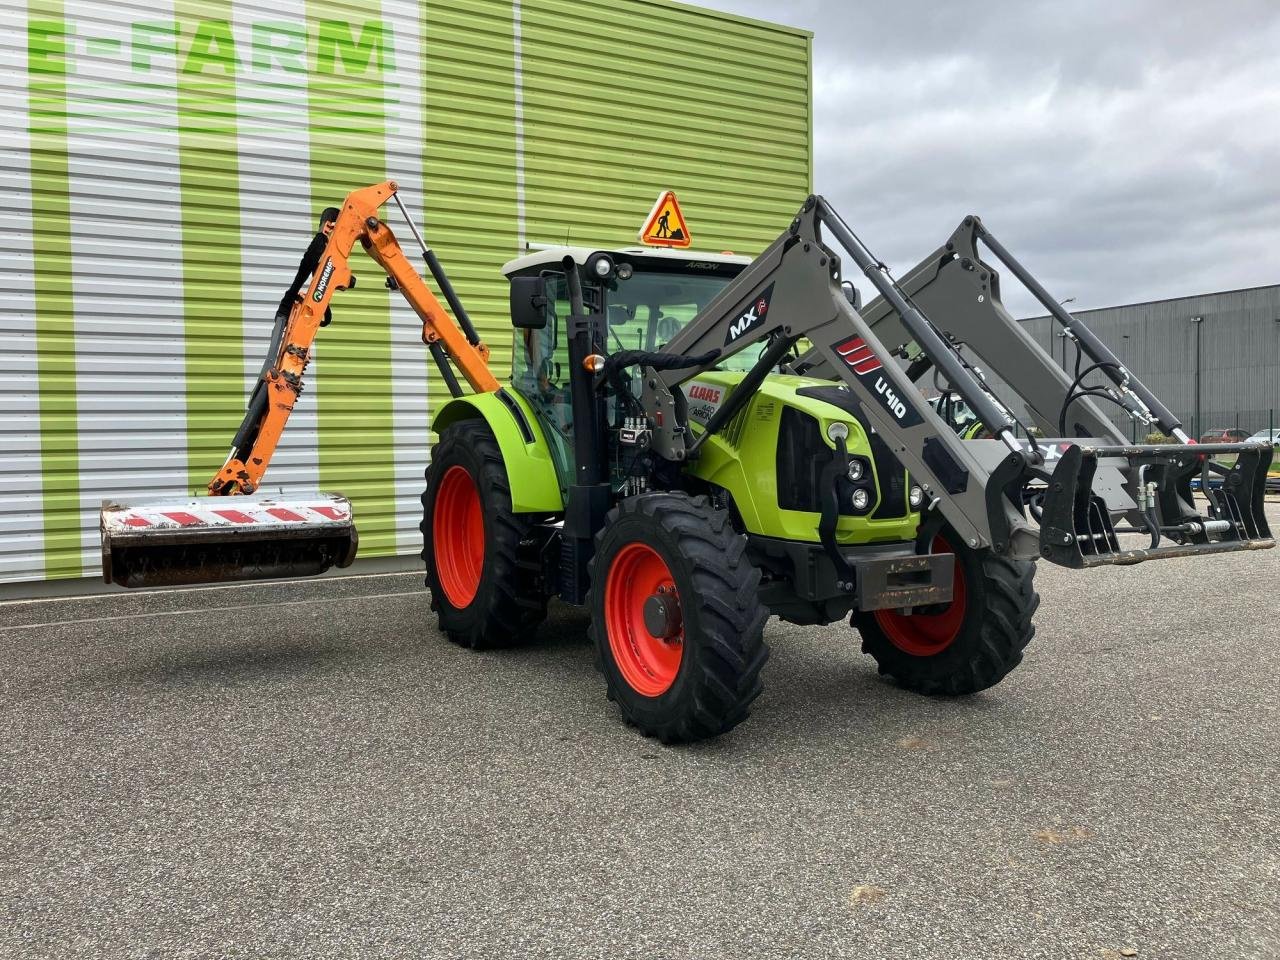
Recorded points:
481,556
967,645
676,618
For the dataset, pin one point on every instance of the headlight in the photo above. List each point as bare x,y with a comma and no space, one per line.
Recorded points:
855,469
837,431
600,264
916,497
861,499
625,270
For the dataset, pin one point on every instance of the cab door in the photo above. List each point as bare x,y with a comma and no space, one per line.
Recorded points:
540,372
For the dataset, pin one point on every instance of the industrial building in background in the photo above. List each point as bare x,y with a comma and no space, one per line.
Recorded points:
1213,358
160,156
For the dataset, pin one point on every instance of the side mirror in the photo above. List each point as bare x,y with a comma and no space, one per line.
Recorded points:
529,303
851,294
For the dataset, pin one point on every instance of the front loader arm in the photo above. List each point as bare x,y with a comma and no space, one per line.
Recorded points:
1075,487
793,290
959,290
303,313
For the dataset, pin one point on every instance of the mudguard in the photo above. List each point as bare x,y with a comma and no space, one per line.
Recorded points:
534,485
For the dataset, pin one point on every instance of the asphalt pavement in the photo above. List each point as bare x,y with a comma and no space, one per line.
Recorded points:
312,770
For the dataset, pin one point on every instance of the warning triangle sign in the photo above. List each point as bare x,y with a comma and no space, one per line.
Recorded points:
665,226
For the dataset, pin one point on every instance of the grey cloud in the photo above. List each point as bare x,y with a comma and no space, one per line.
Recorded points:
1124,151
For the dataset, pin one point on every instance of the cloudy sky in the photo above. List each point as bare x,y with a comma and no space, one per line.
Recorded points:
1124,151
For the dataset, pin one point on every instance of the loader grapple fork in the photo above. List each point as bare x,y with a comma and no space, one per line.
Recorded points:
1076,529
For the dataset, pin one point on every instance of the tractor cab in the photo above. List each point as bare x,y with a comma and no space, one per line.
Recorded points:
646,295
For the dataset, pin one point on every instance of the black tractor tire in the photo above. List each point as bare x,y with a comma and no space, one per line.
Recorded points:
508,601
717,624
988,632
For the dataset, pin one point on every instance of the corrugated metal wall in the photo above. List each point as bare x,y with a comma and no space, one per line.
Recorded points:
1239,354
640,96
164,164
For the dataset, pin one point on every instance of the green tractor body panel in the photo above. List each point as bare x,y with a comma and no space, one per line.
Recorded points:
752,460
534,485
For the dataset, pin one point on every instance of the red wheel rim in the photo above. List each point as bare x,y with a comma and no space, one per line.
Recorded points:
648,664
457,536
926,634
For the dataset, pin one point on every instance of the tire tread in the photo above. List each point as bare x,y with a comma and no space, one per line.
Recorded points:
517,605
726,588
1003,632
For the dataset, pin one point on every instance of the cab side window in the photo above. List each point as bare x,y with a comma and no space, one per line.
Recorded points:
540,358
540,373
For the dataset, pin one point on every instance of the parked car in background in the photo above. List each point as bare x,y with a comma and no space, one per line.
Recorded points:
1273,437
1266,436
1225,435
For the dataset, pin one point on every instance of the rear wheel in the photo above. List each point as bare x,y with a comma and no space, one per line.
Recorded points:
675,617
967,645
481,557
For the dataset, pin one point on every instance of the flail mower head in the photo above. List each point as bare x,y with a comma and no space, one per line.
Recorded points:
155,543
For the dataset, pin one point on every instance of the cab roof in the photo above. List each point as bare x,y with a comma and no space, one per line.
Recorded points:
553,255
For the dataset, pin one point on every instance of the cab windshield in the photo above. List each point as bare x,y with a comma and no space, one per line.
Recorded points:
648,308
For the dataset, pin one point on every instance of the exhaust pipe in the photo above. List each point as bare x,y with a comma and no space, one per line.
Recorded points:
160,543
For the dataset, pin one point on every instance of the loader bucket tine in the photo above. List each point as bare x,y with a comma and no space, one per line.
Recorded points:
1058,525
1246,482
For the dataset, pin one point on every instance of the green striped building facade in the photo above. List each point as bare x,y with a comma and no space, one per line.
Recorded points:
162,166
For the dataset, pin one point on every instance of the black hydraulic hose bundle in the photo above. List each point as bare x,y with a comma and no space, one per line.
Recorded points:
746,388
615,363
310,260
446,371
1153,521
1076,391
257,405
832,482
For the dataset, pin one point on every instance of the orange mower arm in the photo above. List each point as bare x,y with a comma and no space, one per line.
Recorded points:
300,316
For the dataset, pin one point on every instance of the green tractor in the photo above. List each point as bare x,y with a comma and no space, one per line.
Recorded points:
667,455
680,568
691,443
